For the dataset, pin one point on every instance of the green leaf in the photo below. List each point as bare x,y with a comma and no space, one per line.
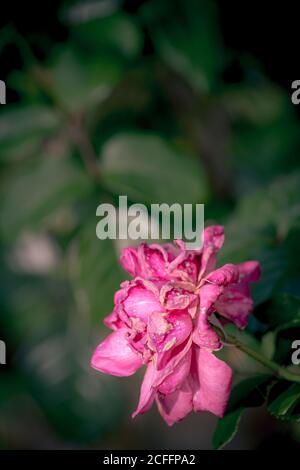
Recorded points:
243,242
80,83
17,123
261,104
282,309
82,11
37,189
281,316
268,345
95,273
265,140
261,228
285,405
274,146
258,230
20,148
116,33
277,206
189,42
272,265
226,429
147,169
250,392
288,326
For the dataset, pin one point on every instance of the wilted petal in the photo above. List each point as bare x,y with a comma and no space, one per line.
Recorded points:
154,378
204,335
235,306
176,405
170,360
178,376
113,321
250,271
227,274
133,303
148,261
174,296
213,239
141,302
134,260
167,332
155,259
182,326
215,380
235,303
147,393
185,266
188,270
210,291
213,236
115,356
129,261
181,256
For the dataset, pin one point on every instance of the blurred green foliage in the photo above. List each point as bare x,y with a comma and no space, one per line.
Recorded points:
137,105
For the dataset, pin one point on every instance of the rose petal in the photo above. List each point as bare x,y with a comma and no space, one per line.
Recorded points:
177,405
178,376
147,393
129,261
250,271
155,259
174,296
115,356
148,260
168,330
141,302
235,306
154,378
213,239
204,335
227,274
168,363
113,321
215,379
235,303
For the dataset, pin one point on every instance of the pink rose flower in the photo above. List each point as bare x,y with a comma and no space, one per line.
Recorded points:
162,319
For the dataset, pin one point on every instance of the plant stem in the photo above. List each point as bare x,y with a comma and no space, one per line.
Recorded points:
278,370
75,123
80,137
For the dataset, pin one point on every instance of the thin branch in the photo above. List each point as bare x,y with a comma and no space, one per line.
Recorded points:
278,370
75,123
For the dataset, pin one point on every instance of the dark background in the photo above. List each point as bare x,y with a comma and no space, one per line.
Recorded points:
267,31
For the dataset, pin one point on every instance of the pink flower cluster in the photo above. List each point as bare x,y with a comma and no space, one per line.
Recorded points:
162,319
